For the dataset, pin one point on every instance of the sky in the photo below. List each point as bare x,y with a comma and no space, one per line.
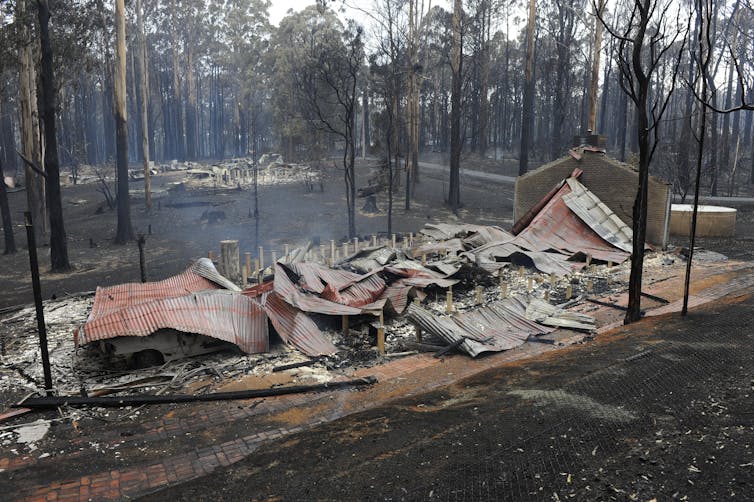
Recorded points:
279,8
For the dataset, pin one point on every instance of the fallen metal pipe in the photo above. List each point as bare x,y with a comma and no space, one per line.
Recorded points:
53,402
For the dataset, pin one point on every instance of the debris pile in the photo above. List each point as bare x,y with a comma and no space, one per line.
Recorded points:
472,288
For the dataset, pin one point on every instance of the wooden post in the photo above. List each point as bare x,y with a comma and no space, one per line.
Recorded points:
244,276
588,260
609,264
528,284
332,253
230,261
503,288
344,325
552,280
393,241
286,249
261,257
345,249
424,259
479,291
417,328
521,271
547,295
355,244
211,255
589,285
411,239
274,258
449,301
569,292
374,240
381,340
248,262
142,260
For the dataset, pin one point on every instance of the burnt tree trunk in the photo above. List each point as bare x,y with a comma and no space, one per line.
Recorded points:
454,186
124,231
58,243
528,103
10,241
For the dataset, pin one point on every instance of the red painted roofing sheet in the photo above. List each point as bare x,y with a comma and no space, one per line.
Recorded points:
201,276
224,315
295,327
306,302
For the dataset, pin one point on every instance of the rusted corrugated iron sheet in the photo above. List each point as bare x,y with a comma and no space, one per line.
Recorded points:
202,275
220,314
557,227
358,294
306,302
259,289
295,327
524,221
493,328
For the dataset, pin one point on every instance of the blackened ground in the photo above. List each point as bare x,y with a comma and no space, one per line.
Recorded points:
661,410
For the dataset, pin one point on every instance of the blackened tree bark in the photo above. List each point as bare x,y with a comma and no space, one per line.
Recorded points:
58,243
645,42
10,241
527,111
124,232
454,185
144,104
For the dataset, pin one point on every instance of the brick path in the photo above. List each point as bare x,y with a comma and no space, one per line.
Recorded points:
398,378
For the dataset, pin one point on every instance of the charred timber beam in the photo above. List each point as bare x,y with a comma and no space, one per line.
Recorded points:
291,366
448,348
655,298
53,402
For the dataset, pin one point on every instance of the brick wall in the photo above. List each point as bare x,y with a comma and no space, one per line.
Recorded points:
613,182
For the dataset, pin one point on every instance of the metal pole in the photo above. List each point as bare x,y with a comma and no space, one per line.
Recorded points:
32,244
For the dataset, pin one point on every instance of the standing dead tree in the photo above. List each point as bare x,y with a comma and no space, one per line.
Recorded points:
646,41
454,184
124,232
328,88
58,241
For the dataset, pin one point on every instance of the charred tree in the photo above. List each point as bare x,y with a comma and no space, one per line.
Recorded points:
527,111
10,241
645,41
58,242
28,108
124,232
144,93
454,185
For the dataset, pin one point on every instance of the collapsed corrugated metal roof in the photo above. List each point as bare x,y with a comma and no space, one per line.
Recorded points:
498,326
295,327
598,216
201,275
557,227
496,255
225,315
